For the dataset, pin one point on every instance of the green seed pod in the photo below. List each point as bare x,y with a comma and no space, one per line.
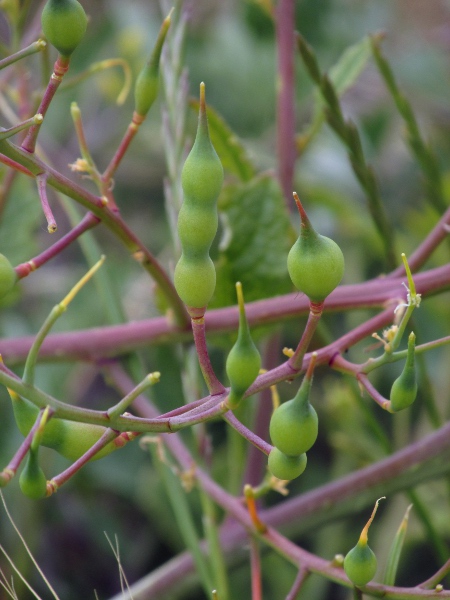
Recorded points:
315,262
8,276
147,82
360,563
201,179
294,424
71,439
64,24
243,361
286,467
32,481
404,388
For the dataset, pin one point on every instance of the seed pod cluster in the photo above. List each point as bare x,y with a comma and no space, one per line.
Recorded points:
64,24
315,262
201,180
244,361
293,431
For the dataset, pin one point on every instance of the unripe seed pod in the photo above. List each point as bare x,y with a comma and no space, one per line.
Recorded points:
294,424
243,361
404,388
201,179
64,24
8,276
286,467
360,563
32,481
315,262
147,82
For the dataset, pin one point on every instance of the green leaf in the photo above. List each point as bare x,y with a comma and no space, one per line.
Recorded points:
256,239
231,152
342,75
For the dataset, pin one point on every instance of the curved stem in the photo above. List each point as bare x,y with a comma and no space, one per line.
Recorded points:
198,330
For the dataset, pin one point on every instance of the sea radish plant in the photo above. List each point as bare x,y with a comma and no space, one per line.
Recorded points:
154,347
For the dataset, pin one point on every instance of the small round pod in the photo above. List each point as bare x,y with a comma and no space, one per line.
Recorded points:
32,480
243,361
8,276
404,389
64,24
286,467
294,425
315,262
195,280
360,563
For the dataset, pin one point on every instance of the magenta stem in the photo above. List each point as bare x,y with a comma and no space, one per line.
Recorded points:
315,313
302,575
286,149
60,68
9,162
131,131
213,384
246,433
255,566
88,221
372,391
41,181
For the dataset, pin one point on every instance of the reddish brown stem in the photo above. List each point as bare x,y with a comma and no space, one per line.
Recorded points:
285,23
213,384
60,68
88,221
315,313
131,131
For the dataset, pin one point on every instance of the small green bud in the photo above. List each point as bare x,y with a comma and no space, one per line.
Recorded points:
315,262
404,388
64,24
147,82
243,361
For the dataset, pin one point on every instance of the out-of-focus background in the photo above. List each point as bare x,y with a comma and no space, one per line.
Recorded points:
230,45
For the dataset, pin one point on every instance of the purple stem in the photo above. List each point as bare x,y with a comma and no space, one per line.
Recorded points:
41,181
285,23
297,585
372,391
10,470
315,312
88,221
232,420
97,343
60,68
198,330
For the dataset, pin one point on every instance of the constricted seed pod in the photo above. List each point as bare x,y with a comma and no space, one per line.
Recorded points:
32,480
147,82
404,388
315,262
8,276
243,361
294,424
64,24
286,467
201,180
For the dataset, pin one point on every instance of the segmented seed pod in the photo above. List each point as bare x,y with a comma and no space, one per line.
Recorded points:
286,467
243,361
404,388
32,480
201,180
8,276
147,82
315,262
360,563
64,24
